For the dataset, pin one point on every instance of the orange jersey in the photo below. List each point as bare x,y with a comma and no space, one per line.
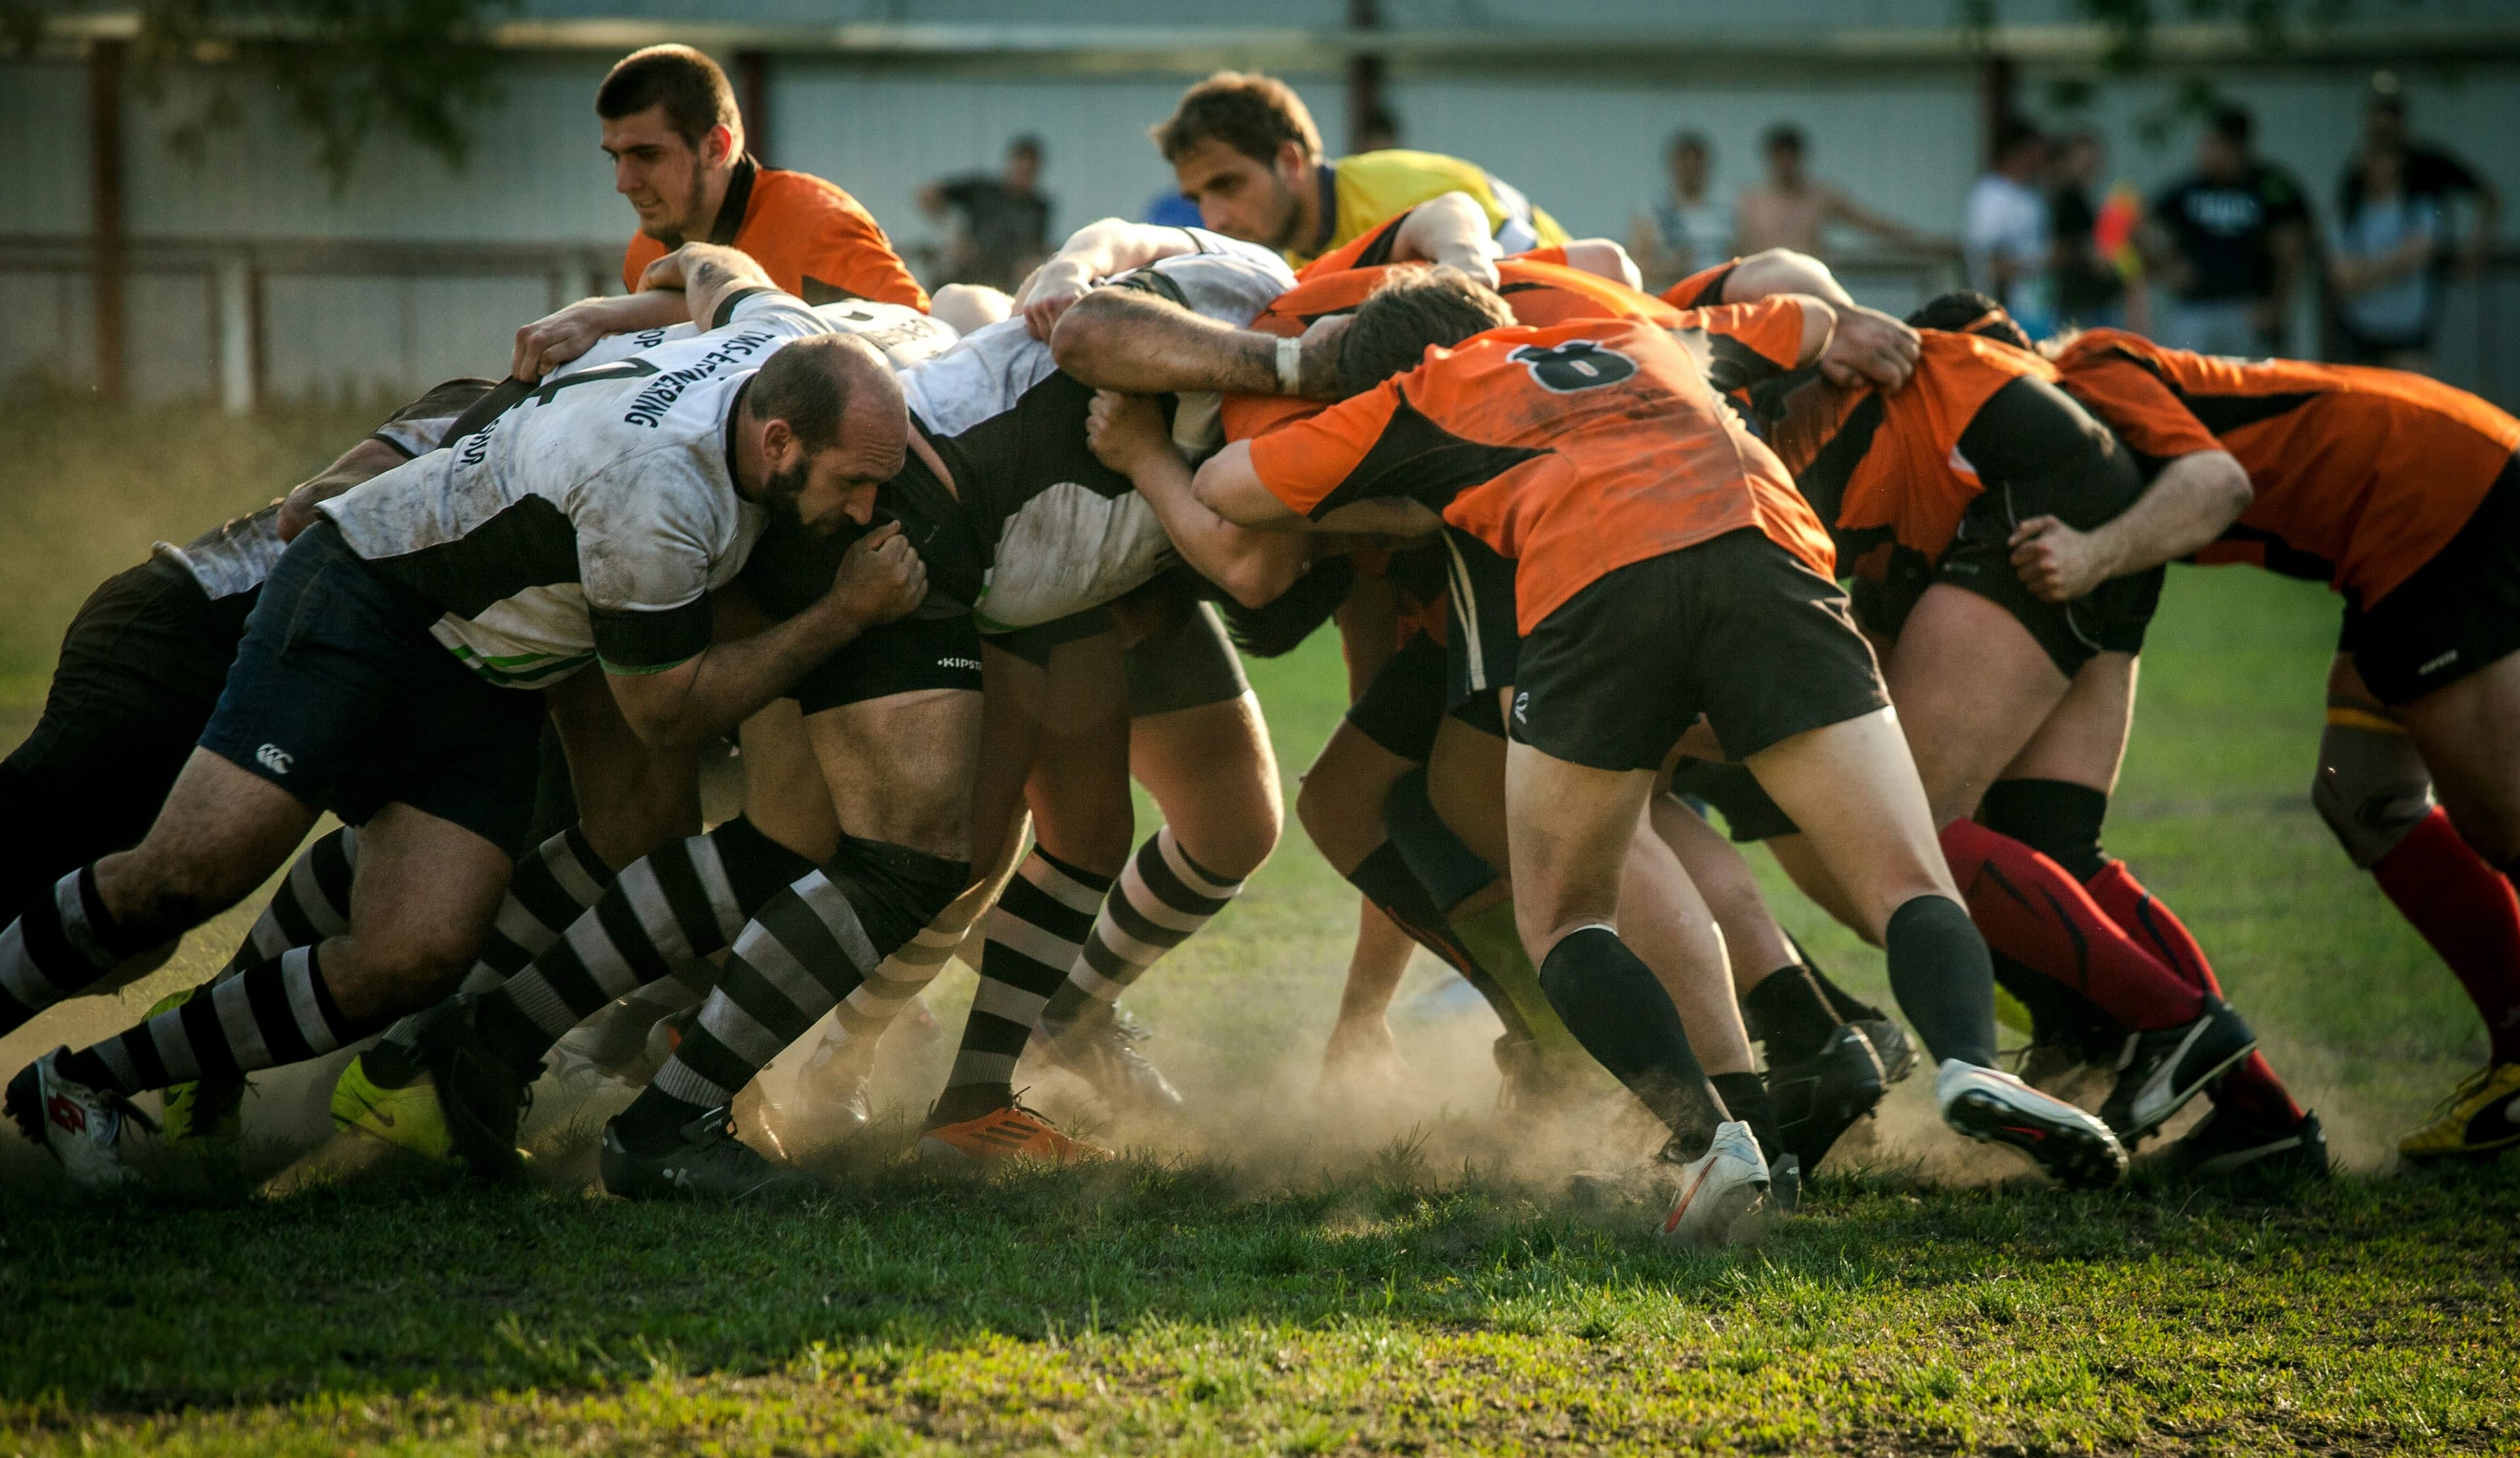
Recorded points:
1574,450
814,239
1702,287
2361,475
1883,469
1751,342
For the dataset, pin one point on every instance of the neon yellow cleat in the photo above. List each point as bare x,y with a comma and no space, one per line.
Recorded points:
408,1119
2480,1118
204,1109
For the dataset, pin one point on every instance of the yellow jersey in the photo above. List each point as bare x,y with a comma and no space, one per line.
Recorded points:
1361,193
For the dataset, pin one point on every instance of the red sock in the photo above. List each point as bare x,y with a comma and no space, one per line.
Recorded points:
2036,914
2466,910
2251,1092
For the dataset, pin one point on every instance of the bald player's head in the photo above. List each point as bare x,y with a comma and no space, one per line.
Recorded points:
833,429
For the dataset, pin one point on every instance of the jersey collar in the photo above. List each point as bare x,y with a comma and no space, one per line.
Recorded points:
1327,175
739,197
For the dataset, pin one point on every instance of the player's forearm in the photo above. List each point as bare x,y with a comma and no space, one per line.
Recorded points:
1783,271
712,273
1253,567
1451,229
363,462
1126,341
2193,501
732,681
1113,245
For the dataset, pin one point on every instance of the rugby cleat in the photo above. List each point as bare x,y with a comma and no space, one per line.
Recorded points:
1014,1133
2158,1072
1101,1047
1715,1190
1892,1046
2479,1119
88,1130
407,1118
1821,1097
708,1163
1785,1184
1991,1107
481,1097
830,1090
2222,1147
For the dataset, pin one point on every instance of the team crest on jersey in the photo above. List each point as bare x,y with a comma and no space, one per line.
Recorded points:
1575,364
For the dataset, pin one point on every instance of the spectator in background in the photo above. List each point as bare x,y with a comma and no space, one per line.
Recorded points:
2426,173
2097,282
2003,229
1688,229
1380,131
1790,210
2379,260
2229,241
1004,221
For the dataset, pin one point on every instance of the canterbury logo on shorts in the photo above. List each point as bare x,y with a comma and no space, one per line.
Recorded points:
274,759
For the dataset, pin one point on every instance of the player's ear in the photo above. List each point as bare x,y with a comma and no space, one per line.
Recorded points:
718,146
777,442
1291,161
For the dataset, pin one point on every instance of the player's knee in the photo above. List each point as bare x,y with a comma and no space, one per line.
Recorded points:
2371,790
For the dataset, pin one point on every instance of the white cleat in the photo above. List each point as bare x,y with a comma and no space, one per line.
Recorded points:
1716,1190
88,1130
1991,1107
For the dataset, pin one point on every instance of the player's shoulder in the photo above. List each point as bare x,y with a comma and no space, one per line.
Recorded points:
779,188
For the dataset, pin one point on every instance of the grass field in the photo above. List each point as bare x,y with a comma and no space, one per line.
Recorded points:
1281,1276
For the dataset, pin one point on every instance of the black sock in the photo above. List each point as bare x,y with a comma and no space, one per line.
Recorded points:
1789,1014
1943,979
1611,1002
1450,869
1848,1007
1395,890
2057,818
1745,1098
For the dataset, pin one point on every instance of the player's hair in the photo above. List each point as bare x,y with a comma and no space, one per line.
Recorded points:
809,385
688,84
1968,312
1409,310
1281,624
1787,136
1252,113
2234,125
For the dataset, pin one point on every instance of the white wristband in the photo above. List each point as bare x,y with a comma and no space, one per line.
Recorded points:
1290,367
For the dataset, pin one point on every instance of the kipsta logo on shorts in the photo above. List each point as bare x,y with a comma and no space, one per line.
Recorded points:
274,759
1575,364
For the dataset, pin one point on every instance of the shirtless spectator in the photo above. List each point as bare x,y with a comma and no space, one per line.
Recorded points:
1791,211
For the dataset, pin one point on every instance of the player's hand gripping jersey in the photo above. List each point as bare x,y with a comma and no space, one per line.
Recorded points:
1573,451
2363,475
590,520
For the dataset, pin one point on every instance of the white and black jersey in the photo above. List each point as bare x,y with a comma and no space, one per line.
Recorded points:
591,519
235,557
1058,532
903,336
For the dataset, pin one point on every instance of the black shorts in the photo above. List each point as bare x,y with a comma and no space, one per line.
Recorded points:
901,657
140,672
1481,637
1035,644
1748,813
2040,454
340,696
1736,628
2459,613
1400,709
1185,663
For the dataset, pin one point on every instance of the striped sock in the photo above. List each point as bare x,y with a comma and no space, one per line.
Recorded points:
808,948
1035,934
273,1013
311,903
1163,897
659,918
58,945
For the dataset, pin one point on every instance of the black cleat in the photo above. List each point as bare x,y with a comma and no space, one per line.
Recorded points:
1101,1047
2222,1147
1892,1045
481,1096
710,1164
2160,1071
1821,1097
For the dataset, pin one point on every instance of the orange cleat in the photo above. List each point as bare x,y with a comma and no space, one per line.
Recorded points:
1014,1133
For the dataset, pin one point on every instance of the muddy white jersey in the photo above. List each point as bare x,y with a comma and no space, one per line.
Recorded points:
902,335
1058,532
590,520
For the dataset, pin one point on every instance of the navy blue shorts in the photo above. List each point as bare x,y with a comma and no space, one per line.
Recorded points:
340,696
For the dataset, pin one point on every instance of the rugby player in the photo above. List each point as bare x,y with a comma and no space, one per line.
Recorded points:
384,675
1645,521
2400,493
1243,148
